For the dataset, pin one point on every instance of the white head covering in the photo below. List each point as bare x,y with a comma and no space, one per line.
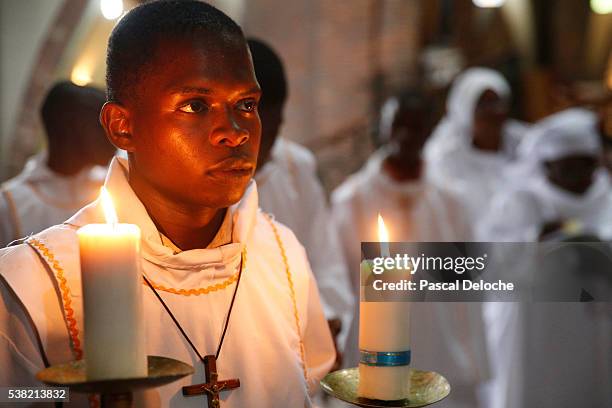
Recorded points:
467,88
455,129
569,132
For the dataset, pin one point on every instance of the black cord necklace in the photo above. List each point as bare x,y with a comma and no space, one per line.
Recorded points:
213,386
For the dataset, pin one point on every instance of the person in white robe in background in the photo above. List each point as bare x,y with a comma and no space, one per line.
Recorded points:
558,179
187,184
290,190
445,337
67,174
475,141
552,354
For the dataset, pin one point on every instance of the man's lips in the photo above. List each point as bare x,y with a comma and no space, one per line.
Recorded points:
232,166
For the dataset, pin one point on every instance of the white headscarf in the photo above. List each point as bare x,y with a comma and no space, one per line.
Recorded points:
455,129
468,88
569,132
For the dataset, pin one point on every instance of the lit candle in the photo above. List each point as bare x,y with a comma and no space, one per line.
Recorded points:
384,339
383,237
114,341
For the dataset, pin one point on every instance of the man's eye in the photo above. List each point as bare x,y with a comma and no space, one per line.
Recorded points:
193,107
248,105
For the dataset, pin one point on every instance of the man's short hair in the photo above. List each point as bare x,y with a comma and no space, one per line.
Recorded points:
270,73
66,104
135,40
408,99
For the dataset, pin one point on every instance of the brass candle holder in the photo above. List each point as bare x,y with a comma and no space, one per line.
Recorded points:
426,388
115,393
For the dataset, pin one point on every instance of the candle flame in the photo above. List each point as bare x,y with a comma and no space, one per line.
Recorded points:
108,207
383,236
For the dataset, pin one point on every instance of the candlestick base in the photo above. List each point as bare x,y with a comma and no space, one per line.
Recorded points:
162,371
426,388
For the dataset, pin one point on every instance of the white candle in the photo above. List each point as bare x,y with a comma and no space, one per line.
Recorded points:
114,341
384,339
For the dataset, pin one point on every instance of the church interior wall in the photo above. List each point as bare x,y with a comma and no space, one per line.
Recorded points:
23,28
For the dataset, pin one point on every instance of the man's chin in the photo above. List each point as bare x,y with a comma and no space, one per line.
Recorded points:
226,198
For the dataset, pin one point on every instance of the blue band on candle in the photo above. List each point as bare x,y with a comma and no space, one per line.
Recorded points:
385,359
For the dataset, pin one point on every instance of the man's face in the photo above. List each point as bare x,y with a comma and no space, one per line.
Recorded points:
195,124
572,173
409,132
489,116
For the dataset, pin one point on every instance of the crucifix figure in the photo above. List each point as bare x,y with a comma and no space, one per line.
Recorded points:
211,387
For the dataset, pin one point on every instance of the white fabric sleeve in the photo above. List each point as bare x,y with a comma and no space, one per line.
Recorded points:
349,238
319,350
318,343
20,357
343,216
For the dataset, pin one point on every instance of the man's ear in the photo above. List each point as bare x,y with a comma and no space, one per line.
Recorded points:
115,119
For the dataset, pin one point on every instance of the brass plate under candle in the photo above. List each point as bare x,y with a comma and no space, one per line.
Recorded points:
162,371
426,387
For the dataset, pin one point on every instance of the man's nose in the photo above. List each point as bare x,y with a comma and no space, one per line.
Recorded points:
229,132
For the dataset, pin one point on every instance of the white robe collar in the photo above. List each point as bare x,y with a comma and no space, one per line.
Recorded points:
131,210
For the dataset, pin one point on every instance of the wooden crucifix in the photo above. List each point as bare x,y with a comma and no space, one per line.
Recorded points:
211,387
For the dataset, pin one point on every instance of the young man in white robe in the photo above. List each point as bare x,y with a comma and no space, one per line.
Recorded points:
445,337
475,142
557,353
67,174
183,104
290,190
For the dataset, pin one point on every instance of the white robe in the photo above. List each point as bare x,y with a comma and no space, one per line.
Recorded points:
473,176
550,354
261,347
453,163
289,189
445,337
38,198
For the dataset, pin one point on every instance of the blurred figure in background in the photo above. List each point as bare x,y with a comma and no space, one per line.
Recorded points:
445,337
475,142
554,353
394,182
65,176
289,189
559,180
